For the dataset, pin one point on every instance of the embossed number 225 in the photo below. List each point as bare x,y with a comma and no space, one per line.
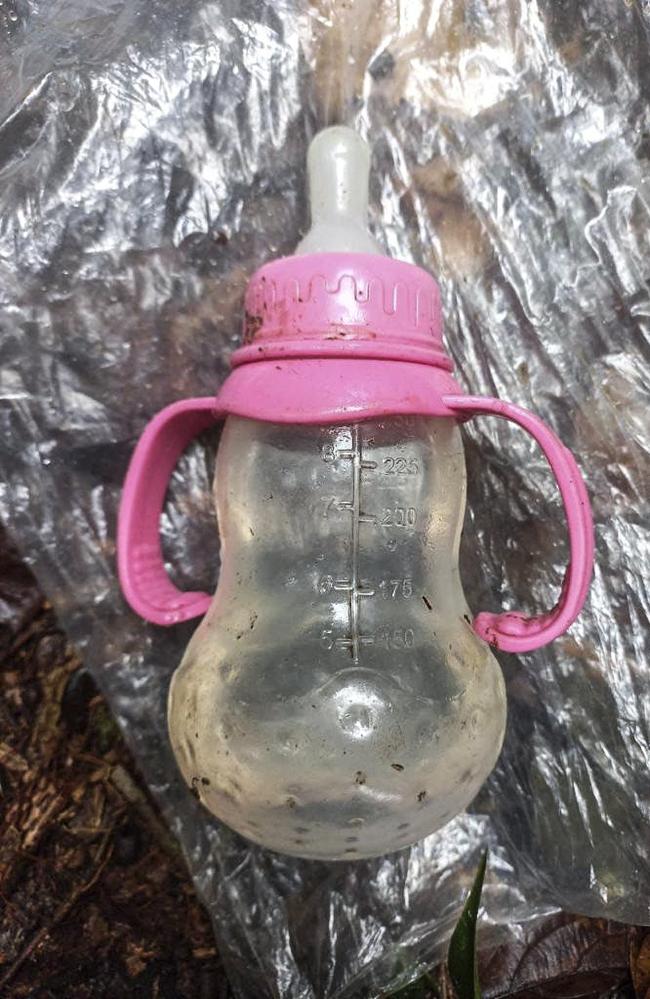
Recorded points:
400,466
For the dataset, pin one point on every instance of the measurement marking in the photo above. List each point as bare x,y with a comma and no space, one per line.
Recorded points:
355,588
367,518
356,513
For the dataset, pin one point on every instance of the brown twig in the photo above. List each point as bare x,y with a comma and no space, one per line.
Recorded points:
127,788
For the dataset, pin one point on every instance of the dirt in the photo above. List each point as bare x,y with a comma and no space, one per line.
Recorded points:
95,899
252,325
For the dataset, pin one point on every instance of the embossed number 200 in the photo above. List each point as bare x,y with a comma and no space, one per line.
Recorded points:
400,516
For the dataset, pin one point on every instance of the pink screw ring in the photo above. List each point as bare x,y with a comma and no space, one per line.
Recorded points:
334,338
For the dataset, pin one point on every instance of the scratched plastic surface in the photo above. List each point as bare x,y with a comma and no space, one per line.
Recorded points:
361,712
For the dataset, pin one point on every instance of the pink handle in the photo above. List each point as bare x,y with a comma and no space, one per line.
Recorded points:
143,576
514,632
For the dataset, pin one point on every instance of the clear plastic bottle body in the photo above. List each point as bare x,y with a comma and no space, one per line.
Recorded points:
335,702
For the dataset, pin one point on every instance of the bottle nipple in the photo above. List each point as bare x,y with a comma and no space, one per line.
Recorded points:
338,165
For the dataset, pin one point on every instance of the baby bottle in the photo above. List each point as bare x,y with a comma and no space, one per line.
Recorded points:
338,700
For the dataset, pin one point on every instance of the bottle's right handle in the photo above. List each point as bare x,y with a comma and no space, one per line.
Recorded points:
143,576
514,632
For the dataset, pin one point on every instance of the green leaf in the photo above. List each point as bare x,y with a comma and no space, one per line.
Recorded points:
461,959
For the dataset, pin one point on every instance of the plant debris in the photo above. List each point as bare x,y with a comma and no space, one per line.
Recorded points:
95,899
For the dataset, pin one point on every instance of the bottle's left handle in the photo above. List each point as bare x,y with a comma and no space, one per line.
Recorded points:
144,579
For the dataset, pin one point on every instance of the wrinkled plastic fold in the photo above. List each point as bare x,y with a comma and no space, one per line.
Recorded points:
152,156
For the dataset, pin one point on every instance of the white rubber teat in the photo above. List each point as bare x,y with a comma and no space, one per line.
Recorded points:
338,165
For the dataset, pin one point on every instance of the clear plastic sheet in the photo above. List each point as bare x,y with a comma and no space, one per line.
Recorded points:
151,156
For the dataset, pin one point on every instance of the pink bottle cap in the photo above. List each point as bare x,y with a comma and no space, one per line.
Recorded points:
342,305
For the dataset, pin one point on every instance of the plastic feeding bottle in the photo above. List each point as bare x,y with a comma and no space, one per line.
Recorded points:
337,700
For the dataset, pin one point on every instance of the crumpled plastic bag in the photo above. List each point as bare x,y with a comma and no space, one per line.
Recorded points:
151,157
